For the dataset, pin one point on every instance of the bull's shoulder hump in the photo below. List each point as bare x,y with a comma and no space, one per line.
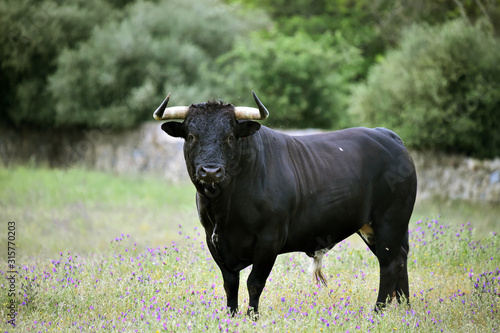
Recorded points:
269,135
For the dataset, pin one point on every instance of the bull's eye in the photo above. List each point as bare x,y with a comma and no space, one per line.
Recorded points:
231,139
191,138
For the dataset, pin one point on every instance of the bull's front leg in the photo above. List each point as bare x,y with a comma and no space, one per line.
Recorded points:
231,280
262,265
231,284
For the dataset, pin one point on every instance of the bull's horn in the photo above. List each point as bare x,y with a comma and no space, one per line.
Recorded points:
173,112
243,112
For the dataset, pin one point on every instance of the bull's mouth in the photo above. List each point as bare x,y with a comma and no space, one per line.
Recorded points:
208,185
212,189
212,183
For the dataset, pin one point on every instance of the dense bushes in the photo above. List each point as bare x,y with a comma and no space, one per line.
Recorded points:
108,63
126,67
439,89
92,65
301,80
32,34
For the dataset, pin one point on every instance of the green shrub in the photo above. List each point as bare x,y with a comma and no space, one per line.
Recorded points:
439,89
125,69
32,35
300,79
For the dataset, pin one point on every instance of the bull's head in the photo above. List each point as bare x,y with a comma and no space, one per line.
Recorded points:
212,132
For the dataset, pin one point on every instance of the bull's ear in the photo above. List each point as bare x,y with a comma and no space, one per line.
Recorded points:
247,128
174,128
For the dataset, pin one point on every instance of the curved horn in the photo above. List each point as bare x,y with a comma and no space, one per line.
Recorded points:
173,112
243,112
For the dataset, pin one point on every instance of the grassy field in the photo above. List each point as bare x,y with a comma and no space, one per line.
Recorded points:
82,211
98,252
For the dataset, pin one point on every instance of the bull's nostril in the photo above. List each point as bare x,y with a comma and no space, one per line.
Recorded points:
218,172
211,173
202,172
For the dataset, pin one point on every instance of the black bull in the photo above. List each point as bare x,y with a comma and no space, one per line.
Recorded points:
261,193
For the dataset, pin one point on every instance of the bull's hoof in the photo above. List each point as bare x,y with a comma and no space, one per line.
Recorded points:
253,314
379,307
232,311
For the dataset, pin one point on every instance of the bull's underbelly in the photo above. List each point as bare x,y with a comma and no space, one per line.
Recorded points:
322,225
318,226
314,240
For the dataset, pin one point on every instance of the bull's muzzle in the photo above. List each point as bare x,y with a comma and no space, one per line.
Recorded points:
210,173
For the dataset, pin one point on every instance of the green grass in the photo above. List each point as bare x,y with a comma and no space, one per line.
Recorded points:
79,271
485,217
82,211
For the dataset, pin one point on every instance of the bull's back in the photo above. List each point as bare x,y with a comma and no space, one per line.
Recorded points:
344,161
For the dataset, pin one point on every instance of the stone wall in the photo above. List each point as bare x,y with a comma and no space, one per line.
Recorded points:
457,177
149,149
144,149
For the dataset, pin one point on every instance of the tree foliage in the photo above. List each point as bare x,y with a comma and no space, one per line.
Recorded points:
125,68
372,26
99,63
95,63
32,34
303,80
439,89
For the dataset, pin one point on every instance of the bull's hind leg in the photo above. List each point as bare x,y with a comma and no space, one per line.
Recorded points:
393,274
401,289
391,248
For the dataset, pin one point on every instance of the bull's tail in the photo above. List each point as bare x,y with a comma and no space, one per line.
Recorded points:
316,268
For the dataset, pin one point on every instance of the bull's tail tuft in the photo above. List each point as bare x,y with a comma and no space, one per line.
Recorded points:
316,268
